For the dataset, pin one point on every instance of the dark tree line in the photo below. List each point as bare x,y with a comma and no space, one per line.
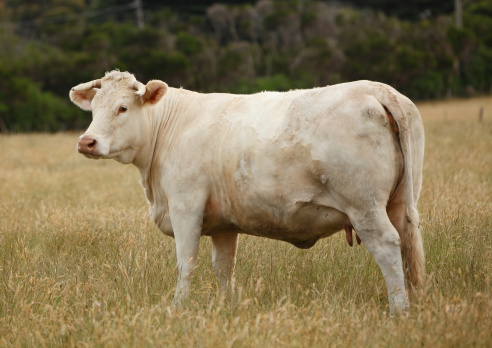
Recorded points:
49,46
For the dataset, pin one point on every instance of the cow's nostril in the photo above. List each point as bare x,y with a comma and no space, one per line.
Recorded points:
87,145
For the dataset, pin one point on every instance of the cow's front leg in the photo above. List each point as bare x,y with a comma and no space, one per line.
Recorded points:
187,225
224,258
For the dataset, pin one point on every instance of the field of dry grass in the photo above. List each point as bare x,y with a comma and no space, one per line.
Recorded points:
81,264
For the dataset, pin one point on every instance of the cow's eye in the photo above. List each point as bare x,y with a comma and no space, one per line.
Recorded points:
122,109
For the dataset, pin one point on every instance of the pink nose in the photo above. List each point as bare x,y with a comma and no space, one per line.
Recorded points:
86,145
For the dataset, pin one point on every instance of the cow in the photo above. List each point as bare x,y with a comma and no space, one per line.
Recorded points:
294,166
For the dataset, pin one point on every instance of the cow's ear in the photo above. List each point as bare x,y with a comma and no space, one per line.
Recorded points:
154,91
83,98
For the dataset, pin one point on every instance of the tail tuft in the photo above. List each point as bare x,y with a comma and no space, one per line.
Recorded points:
412,250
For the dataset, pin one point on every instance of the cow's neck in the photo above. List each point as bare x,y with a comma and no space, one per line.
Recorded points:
162,122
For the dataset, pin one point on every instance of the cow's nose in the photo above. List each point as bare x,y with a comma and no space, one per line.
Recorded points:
86,144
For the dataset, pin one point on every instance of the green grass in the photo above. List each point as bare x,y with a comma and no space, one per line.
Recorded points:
81,264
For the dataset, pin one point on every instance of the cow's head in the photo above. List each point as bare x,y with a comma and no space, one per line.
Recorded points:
116,101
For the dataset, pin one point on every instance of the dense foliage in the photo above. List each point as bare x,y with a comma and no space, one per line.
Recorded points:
49,46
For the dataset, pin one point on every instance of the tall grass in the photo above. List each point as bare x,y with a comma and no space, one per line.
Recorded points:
81,264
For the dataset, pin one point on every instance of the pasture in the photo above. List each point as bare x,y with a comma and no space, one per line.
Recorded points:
82,264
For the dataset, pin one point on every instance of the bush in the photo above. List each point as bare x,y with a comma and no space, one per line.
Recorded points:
271,45
24,107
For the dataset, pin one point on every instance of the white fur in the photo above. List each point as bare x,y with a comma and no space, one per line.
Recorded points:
294,166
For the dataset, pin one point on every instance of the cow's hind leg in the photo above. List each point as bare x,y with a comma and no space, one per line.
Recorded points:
224,258
383,242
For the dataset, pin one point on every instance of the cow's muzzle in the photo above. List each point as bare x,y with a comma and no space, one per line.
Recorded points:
87,145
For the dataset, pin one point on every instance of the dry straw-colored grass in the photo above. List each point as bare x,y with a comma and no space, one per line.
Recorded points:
81,264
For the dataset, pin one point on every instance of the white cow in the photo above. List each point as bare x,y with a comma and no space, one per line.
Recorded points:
294,166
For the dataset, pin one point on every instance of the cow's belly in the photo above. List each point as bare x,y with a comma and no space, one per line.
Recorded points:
302,224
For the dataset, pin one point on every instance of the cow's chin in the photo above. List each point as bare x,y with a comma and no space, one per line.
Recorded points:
94,157
124,157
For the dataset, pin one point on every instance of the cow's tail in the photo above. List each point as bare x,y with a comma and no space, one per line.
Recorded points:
402,207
